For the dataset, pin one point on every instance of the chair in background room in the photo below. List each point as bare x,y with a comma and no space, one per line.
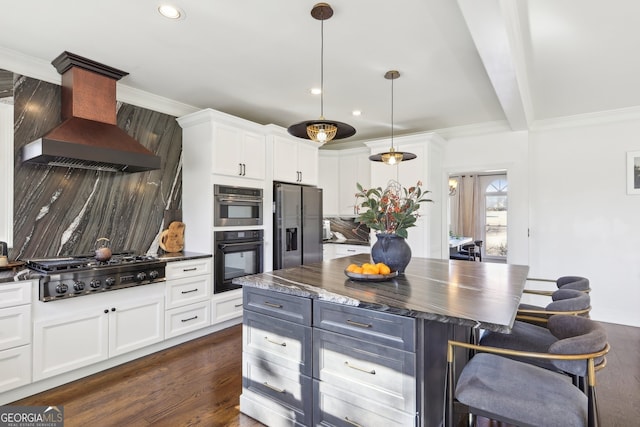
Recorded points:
511,391
469,252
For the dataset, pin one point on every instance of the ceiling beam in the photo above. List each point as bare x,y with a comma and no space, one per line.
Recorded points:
495,27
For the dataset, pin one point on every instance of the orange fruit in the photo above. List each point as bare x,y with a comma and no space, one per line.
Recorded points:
352,267
383,268
370,269
357,270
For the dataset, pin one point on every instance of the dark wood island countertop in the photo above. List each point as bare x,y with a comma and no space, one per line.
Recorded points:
475,294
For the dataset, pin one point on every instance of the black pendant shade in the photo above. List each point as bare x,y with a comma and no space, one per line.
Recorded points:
392,157
321,130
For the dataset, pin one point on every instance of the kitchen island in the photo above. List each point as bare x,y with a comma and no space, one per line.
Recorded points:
321,349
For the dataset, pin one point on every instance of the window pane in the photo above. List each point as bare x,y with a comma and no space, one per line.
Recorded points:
496,224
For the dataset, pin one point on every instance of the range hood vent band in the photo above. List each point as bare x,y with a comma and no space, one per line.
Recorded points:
88,137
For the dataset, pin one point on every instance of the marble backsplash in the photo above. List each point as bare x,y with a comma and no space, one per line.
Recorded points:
349,228
62,211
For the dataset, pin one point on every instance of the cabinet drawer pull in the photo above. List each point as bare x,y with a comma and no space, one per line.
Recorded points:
368,371
188,292
238,305
279,390
190,269
362,325
270,304
353,423
189,319
351,250
282,344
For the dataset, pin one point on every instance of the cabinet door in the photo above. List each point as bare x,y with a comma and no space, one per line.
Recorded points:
285,160
15,326
68,343
308,164
15,368
328,180
253,155
135,325
226,306
227,149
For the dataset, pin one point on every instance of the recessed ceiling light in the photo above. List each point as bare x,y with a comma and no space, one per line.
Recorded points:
315,91
171,12
356,112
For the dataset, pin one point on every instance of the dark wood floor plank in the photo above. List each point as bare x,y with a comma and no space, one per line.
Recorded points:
199,383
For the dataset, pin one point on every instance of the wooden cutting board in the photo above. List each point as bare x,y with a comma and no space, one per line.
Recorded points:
172,239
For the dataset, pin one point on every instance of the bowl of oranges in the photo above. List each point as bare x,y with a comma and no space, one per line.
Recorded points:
370,272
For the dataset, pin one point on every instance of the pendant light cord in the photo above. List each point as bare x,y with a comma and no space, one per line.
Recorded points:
322,68
392,112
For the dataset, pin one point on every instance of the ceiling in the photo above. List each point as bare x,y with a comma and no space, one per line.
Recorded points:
462,63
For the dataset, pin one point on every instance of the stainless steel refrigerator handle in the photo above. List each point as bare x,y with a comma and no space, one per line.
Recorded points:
226,245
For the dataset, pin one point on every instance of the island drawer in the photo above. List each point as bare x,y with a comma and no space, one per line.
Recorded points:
282,306
337,407
279,341
372,326
286,386
379,373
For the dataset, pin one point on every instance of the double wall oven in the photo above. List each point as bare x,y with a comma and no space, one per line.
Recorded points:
237,252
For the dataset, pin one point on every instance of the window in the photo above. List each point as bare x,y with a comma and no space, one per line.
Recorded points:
495,217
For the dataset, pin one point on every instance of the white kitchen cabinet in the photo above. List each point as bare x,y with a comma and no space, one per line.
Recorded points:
340,250
15,335
340,171
329,181
355,167
109,325
226,306
425,239
237,152
295,160
187,293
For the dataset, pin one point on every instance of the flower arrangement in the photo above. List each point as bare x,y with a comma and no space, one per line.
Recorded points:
393,210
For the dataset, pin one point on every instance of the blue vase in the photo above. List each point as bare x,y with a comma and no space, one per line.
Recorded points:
392,250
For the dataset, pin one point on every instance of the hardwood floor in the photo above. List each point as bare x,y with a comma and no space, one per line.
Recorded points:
198,384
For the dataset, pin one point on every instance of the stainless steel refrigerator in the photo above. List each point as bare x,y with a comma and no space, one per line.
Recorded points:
297,225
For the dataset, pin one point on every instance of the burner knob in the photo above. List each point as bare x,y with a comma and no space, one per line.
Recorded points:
109,282
95,283
78,286
141,276
153,274
62,288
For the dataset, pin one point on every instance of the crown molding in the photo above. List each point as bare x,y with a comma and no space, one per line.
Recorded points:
25,65
588,119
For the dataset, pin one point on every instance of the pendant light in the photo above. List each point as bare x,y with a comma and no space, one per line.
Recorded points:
392,156
321,130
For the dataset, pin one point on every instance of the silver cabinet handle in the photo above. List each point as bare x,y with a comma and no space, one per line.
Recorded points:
270,304
367,371
279,390
353,423
362,325
282,344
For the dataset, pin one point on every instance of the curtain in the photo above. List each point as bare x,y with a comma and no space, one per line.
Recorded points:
464,207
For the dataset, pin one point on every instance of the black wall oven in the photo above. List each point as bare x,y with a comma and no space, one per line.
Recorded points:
237,253
237,205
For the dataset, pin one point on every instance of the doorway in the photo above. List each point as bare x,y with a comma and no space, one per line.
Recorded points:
478,206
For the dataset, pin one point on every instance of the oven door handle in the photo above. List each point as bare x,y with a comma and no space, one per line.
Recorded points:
240,200
226,245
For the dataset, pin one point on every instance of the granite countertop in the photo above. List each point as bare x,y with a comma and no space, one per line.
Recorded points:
477,294
346,242
21,272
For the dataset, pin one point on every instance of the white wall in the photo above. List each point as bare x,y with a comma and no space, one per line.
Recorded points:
568,187
502,151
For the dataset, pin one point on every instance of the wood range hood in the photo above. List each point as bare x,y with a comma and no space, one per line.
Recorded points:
88,137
